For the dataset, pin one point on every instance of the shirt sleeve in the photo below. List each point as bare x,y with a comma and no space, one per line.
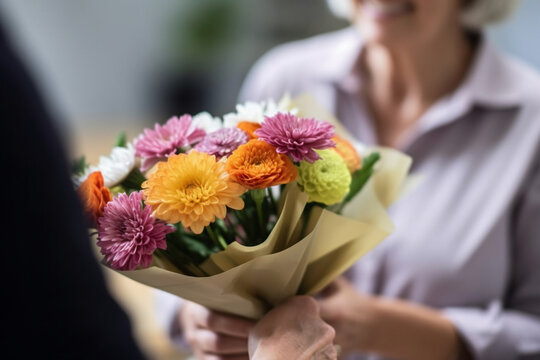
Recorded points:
510,328
167,312
269,78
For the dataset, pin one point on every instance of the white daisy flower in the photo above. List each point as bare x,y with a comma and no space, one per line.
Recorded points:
250,111
285,105
361,148
255,112
115,167
207,122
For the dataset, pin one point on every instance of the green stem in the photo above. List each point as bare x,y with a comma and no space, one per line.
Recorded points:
180,260
258,196
272,201
250,228
196,267
175,258
222,241
260,216
219,242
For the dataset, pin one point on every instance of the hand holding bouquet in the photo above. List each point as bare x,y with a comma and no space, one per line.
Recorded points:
239,214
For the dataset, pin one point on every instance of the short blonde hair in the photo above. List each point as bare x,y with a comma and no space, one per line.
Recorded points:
477,14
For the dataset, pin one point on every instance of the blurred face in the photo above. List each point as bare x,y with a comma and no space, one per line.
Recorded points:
395,22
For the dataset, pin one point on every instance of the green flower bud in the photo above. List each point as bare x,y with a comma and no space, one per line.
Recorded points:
327,180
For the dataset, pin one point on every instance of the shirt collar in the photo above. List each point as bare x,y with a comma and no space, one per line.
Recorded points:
488,82
491,82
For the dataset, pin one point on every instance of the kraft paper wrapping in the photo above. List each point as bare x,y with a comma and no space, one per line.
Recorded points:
247,281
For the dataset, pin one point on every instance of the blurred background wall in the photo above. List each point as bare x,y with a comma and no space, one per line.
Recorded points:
110,65
132,62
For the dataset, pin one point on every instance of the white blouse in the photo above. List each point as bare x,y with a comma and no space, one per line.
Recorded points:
467,239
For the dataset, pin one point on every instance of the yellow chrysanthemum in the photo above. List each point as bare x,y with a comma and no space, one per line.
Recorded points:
192,189
327,180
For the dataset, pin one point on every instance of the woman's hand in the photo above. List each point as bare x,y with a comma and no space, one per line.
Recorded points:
213,335
293,330
350,314
388,327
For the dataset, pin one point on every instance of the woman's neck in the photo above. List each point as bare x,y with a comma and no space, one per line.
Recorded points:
403,81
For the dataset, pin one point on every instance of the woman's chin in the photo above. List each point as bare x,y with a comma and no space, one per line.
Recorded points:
387,27
384,36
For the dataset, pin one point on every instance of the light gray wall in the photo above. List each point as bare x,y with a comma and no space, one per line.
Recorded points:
92,58
96,59
102,59
520,35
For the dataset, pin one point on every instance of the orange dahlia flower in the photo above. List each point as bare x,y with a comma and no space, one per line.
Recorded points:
249,128
257,165
192,189
348,153
94,196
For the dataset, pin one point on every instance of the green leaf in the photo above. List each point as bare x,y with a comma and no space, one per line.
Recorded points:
79,165
134,180
361,176
184,248
121,140
196,246
118,189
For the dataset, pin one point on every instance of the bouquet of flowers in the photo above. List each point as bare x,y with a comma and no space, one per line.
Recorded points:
240,213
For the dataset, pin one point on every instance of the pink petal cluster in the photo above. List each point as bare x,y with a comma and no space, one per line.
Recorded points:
296,137
158,144
128,235
222,142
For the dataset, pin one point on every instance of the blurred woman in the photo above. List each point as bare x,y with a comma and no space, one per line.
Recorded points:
459,278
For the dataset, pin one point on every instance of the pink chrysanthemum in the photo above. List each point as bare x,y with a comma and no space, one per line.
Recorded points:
296,137
222,142
158,144
128,235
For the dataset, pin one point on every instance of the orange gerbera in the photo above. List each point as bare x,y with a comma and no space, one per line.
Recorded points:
348,153
257,165
192,189
249,128
94,196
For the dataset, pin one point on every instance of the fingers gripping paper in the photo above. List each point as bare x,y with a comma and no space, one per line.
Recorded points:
294,259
